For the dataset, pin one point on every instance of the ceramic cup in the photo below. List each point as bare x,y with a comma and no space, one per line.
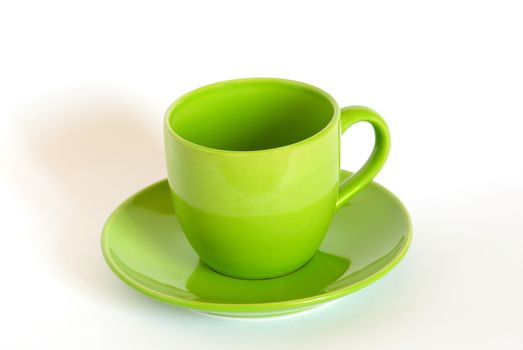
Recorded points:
254,171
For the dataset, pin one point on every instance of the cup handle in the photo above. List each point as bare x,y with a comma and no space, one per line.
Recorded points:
351,185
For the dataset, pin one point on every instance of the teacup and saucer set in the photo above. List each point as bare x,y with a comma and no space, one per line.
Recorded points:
256,219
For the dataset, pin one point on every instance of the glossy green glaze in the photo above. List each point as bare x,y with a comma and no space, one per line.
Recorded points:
254,168
144,245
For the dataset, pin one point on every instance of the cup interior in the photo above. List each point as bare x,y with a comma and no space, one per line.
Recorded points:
251,114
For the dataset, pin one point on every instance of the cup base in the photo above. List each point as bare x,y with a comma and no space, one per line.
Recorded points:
258,277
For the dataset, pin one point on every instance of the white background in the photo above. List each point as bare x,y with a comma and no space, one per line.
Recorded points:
83,89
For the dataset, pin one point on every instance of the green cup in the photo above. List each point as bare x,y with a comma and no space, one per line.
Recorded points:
254,171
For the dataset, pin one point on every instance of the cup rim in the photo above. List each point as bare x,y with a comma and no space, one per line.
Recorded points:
333,120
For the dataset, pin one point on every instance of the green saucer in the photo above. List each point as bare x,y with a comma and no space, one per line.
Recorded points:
144,245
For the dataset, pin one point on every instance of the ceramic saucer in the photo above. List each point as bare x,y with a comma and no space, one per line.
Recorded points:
144,245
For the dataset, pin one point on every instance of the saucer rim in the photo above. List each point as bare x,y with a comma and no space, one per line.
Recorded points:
249,307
